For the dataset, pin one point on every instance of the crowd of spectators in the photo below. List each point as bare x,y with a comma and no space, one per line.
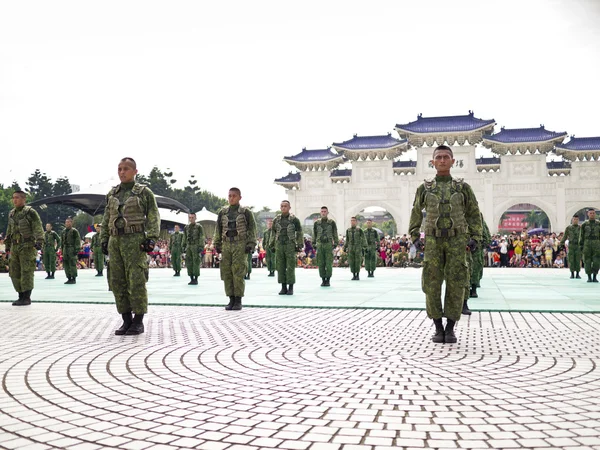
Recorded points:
525,250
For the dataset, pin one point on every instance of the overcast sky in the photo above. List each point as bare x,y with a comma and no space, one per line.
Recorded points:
225,90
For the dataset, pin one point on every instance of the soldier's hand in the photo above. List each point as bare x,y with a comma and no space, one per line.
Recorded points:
148,245
472,247
249,249
38,246
105,248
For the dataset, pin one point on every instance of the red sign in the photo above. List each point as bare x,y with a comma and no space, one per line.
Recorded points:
513,222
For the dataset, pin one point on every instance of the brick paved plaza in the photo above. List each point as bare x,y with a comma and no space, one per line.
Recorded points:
291,378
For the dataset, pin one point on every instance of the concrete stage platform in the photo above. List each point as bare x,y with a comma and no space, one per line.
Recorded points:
526,290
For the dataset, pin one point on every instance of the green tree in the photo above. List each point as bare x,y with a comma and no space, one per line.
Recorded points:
81,222
389,228
39,185
537,219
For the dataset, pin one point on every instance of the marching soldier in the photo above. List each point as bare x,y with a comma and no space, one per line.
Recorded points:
572,233
325,238
234,239
372,238
71,244
175,248
51,246
97,249
355,246
130,227
24,237
193,244
452,227
589,244
287,240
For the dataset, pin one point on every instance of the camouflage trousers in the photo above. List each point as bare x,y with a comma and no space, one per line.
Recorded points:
49,259
233,267
469,261
445,260
370,260
285,255
270,260
574,258
69,255
176,260
21,266
249,270
591,257
192,260
128,273
325,259
355,259
98,258
477,267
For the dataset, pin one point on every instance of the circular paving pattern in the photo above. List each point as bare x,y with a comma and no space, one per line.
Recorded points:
296,379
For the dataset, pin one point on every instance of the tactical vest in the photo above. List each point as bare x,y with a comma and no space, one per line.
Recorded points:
446,203
193,235
21,225
289,234
66,242
132,212
352,238
372,236
50,238
591,231
324,231
241,225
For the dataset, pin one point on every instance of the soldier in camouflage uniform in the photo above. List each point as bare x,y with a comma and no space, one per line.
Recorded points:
355,245
475,266
97,250
193,244
287,240
270,255
51,246
325,238
234,239
71,244
130,226
175,248
24,237
453,220
372,237
572,233
589,244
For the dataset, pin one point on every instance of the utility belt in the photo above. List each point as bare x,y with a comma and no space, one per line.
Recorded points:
233,236
19,239
130,229
445,232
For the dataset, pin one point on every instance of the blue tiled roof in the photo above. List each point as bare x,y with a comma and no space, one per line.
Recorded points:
445,124
289,178
314,155
369,142
517,135
494,160
341,173
558,165
586,143
404,164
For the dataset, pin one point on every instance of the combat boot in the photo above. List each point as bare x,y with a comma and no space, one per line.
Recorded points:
449,336
576,276
357,277
230,304
272,273
99,274
473,292
237,304
70,281
466,311
353,277
283,290
324,282
589,280
24,299
126,324
594,279
52,276
247,277
290,290
572,275
438,337
48,277
137,326
327,281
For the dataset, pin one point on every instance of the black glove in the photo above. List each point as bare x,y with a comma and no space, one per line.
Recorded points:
147,246
218,248
472,245
38,245
105,248
419,245
249,249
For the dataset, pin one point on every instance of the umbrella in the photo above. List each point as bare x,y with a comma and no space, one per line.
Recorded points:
307,236
379,232
90,235
536,231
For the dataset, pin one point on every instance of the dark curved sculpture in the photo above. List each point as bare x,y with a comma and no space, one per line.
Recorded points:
94,203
